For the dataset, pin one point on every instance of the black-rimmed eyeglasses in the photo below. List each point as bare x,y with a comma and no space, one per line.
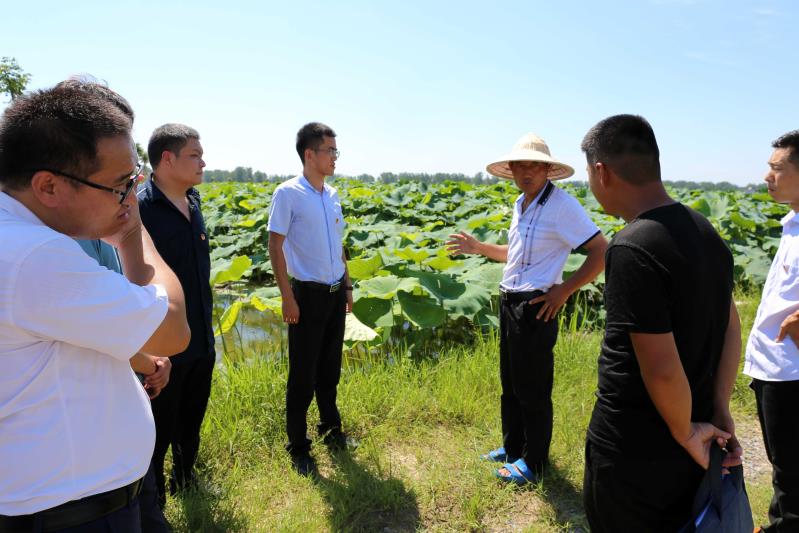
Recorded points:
131,184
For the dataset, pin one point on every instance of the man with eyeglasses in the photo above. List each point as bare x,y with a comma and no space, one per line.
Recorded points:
170,210
75,424
306,228
152,371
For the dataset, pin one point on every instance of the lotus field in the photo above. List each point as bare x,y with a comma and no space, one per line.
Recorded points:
407,288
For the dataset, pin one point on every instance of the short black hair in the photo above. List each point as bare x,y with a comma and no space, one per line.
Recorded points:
169,137
789,140
57,129
626,144
92,85
312,136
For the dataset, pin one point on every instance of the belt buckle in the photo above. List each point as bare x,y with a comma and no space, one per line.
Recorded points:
335,287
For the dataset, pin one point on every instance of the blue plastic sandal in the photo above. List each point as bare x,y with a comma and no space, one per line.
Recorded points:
519,473
498,456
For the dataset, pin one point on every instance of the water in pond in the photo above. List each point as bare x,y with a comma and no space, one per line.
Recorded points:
256,333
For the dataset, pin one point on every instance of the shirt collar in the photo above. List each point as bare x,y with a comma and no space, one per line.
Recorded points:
520,199
11,205
154,193
307,184
790,218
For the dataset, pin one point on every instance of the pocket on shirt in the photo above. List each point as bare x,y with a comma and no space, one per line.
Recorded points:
546,235
338,218
789,281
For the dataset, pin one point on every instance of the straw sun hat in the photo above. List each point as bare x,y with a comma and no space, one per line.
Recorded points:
530,147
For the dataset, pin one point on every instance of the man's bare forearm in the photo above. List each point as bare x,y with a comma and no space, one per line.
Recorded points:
665,380
346,270
497,252
594,264
143,364
143,265
728,363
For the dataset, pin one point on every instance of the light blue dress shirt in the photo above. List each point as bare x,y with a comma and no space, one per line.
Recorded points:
102,252
313,225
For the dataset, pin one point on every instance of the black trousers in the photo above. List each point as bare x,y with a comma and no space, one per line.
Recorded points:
178,413
777,403
315,344
125,520
152,516
649,495
526,369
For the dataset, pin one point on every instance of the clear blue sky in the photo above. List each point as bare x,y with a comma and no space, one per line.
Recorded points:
433,86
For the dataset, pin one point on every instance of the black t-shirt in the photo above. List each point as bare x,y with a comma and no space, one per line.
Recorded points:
666,271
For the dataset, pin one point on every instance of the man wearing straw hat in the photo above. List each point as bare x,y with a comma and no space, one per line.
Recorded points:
547,225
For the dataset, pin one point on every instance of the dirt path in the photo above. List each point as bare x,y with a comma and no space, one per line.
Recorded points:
757,468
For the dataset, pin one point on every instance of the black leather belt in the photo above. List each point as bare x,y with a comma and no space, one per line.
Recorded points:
516,297
320,286
74,513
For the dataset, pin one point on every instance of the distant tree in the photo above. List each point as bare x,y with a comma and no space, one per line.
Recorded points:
241,174
142,154
143,157
13,79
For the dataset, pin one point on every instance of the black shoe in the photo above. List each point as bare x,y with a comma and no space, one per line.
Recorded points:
176,485
335,440
304,464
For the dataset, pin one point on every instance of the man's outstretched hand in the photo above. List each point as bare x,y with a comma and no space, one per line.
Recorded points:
462,243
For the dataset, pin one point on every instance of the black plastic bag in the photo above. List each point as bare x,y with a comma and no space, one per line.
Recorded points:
721,504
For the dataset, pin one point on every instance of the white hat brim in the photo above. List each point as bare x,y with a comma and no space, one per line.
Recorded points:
501,169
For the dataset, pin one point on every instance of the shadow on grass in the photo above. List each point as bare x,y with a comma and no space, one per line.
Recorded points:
566,501
205,509
363,501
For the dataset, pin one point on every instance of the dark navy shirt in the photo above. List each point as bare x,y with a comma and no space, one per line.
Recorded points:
183,244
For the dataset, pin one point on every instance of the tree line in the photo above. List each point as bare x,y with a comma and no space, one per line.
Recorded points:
247,174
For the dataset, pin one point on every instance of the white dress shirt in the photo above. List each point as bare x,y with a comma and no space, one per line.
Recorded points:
313,225
541,239
767,359
74,420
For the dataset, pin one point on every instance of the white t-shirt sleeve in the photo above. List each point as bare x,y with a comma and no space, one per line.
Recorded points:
280,212
577,227
62,294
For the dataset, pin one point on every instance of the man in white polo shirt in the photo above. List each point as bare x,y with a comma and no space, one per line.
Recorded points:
772,356
76,432
306,227
547,225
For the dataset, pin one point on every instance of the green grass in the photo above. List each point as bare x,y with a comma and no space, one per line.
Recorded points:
421,427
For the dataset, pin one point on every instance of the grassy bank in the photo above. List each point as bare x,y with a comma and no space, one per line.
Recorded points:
421,427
